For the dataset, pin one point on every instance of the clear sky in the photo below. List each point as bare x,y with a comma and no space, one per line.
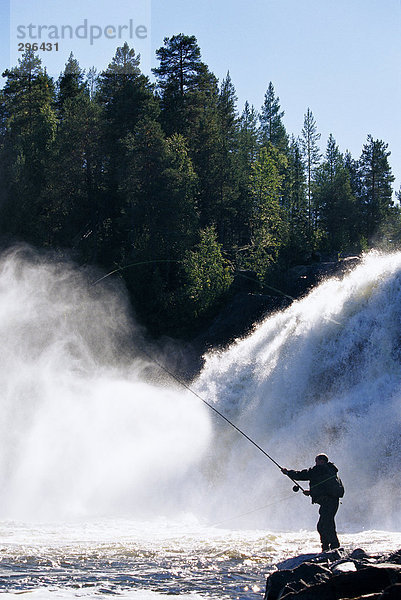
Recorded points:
340,58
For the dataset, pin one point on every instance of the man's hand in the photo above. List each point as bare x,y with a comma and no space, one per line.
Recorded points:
284,471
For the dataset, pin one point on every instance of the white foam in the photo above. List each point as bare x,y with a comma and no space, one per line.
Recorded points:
323,375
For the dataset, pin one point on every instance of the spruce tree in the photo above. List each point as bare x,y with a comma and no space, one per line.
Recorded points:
268,225
248,149
228,167
159,222
311,157
70,83
126,97
335,201
71,202
376,184
299,242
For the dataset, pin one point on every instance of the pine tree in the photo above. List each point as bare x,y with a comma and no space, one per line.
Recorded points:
179,75
28,123
192,106
272,128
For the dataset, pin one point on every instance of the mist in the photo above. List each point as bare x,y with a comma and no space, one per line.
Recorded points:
83,430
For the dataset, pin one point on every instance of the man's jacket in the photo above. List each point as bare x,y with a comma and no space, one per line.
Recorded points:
322,480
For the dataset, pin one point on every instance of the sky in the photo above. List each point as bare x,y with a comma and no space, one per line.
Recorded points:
340,58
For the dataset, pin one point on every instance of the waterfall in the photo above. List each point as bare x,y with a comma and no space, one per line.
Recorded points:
88,427
324,375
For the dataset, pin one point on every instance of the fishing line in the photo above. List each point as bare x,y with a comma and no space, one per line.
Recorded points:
186,386
250,512
143,262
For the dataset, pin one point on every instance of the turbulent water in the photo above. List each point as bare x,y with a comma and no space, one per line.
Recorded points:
116,481
150,560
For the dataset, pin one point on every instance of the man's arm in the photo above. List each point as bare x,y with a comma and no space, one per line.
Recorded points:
297,475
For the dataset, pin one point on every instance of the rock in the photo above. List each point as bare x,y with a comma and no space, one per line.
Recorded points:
369,580
336,575
321,557
395,558
238,318
393,592
359,554
294,579
343,567
292,563
301,278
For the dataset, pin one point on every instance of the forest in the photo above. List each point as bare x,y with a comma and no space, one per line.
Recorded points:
167,183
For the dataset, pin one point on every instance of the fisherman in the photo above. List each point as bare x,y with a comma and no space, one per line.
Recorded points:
326,490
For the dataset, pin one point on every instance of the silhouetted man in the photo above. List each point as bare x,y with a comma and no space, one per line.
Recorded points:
325,490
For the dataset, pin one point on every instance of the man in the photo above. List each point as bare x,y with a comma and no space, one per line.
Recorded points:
326,490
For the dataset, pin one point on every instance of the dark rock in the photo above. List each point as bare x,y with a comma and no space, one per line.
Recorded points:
251,302
395,558
300,279
293,562
393,592
337,575
238,318
369,580
293,580
321,557
359,554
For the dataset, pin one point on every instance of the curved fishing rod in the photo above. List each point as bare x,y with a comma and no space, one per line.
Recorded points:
297,486
220,414
142,262
148,262
167,260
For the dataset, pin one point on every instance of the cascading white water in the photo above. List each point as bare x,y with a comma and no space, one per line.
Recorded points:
83,431
322,376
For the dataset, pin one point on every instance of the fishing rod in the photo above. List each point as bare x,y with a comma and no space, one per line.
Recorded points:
297,486
238,273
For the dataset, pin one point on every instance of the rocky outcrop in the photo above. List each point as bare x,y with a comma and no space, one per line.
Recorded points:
300,279
336,575
252,302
